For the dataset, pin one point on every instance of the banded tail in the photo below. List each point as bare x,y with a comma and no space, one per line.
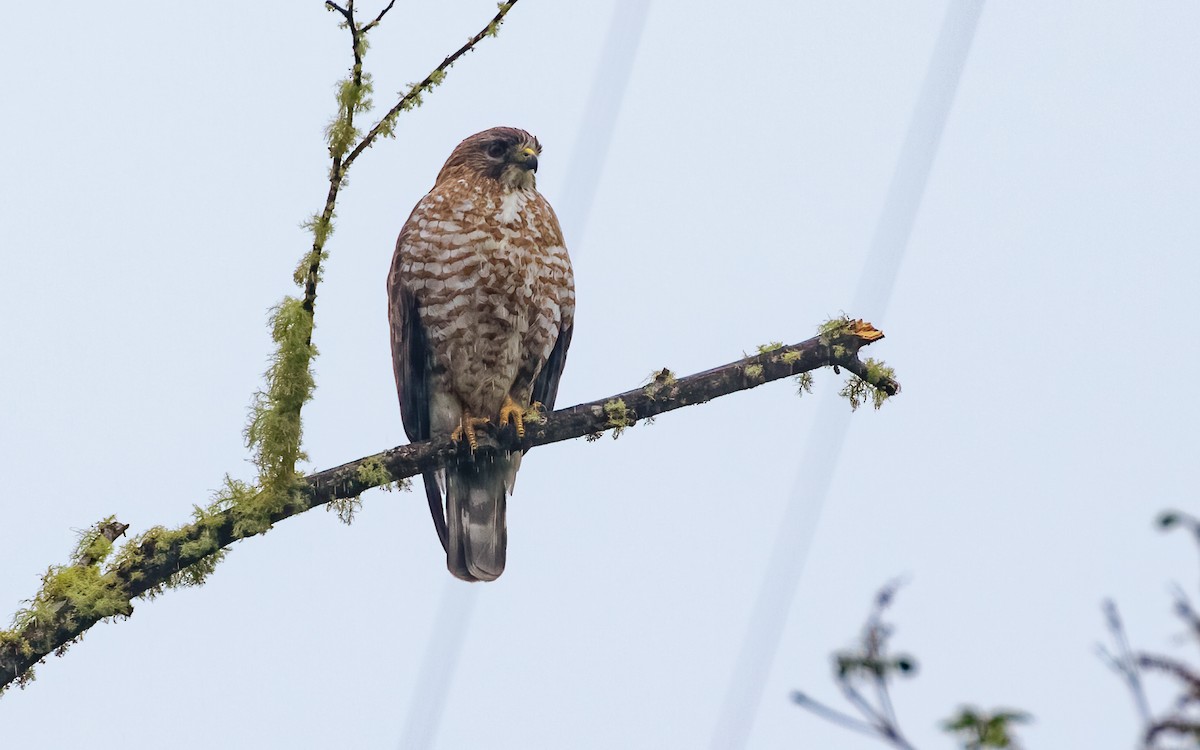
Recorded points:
476,500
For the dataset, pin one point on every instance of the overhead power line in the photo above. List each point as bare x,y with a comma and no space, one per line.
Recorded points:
793,539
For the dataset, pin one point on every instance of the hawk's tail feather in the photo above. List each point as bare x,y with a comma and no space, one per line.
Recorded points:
476,499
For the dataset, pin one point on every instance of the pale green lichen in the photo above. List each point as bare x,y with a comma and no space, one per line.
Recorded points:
353,97
345,507
804,383
754,372
659,381
618,417
536,414
194,549
273,434
833,328
768,348
274,430
371,473
859,390
878,371
69,593
790,358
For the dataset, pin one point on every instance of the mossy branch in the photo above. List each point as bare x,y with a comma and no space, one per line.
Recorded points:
280,403
76,597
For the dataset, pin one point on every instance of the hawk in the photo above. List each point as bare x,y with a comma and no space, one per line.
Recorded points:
481,301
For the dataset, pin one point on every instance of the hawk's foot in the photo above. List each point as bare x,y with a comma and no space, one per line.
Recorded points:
466,429
511,413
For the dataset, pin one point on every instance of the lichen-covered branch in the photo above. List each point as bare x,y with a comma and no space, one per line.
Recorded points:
98,585
93,587
274,430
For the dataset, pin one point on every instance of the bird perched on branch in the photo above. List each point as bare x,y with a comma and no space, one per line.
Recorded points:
481,300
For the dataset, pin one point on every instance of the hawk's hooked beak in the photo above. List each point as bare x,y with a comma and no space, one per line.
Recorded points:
526,158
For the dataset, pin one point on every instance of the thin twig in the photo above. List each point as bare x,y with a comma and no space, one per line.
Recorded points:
1173,725
156,567
417,89
379,17
340,163
347,12
862,704
1180,670
1123,662
873,660
833,715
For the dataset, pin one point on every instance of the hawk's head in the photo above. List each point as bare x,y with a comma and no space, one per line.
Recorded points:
507,155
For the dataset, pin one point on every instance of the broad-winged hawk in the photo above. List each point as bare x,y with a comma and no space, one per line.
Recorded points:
481,303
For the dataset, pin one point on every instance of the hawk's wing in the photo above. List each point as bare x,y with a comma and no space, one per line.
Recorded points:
545,388
410,360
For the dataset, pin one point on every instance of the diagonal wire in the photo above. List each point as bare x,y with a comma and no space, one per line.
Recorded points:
453,619
815,472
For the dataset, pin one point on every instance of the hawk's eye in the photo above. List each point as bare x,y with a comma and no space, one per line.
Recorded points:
496,150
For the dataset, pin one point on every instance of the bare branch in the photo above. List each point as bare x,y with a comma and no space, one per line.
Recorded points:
1183,672
379,17
194,543
347,13
832,715
1124,662
870,665
1173,725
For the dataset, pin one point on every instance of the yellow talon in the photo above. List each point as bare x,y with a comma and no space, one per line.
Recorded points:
466,428
510,413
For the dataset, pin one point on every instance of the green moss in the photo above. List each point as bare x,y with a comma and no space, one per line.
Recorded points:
195,546
791,358
878,371
373,473
94,546
274,431
353,97
313,260
196,542
754,372
89,593
69,593
768,348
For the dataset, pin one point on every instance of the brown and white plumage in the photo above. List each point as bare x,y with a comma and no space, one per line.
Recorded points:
481,303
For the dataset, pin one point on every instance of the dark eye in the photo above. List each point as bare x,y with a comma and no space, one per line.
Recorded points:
496,150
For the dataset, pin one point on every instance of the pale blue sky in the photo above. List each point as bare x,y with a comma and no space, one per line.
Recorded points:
159,159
